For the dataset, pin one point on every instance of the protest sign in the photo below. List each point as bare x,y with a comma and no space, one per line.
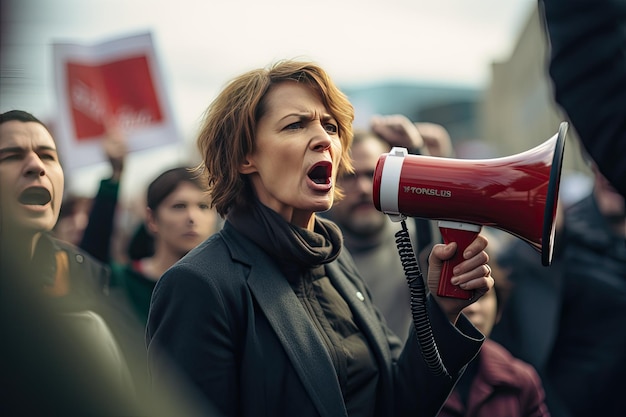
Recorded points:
117,81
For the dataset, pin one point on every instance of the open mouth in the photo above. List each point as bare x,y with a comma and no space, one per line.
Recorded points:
38,196
321,172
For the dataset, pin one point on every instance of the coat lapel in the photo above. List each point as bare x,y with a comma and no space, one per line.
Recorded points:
293,328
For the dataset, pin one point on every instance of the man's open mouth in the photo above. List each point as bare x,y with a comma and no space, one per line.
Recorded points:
35,196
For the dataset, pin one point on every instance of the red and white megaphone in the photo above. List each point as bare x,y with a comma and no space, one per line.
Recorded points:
517,194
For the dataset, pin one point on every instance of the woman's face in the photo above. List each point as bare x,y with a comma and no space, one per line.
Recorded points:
297,152
183,219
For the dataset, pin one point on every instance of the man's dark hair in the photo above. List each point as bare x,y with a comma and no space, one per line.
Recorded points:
19,115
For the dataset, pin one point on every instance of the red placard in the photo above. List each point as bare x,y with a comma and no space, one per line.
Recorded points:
117,82
124,88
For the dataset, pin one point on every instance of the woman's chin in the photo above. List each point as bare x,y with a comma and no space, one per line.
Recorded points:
323,205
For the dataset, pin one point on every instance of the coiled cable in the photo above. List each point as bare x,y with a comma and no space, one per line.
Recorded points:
417,290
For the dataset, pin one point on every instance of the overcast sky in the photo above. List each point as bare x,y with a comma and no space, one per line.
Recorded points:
201,44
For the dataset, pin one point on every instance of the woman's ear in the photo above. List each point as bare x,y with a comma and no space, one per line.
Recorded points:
247,166
151,222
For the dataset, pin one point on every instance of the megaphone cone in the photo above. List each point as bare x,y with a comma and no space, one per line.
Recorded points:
517,194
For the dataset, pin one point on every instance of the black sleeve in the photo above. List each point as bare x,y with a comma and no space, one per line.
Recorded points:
97,237
587,64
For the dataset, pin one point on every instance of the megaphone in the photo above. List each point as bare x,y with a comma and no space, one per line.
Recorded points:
517,194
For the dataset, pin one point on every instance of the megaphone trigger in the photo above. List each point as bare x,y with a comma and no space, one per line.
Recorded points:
463,234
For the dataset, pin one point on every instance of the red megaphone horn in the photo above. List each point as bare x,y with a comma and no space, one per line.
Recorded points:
517,194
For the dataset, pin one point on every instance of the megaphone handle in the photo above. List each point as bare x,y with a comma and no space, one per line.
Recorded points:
463,234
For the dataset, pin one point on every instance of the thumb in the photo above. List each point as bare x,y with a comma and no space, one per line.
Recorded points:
438,255
441,252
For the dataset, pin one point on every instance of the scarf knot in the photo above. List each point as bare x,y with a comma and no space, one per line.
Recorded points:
291,245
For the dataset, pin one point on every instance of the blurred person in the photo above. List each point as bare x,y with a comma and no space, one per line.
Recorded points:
178,218
270,316
423,138
587,65
437,141
99,230
46,270
369,235
495,383
76,209
575,347
65,345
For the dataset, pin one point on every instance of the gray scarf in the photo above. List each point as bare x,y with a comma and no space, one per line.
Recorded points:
290,245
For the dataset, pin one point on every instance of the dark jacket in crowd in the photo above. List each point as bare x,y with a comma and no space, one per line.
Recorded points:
572,331
129,291
96,239
588,68
59,353
229,319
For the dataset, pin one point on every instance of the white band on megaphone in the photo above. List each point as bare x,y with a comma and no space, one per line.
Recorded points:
390,180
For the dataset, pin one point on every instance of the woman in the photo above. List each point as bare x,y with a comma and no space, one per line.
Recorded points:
178,217
269,316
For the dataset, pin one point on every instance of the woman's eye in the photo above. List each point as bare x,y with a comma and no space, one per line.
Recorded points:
204,206
179,206
294,126
331,128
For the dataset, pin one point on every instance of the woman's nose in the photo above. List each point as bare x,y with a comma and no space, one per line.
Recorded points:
321,139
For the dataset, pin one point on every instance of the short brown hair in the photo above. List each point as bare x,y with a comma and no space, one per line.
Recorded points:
227,133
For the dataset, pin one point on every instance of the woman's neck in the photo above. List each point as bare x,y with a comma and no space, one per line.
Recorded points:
305,220
156,265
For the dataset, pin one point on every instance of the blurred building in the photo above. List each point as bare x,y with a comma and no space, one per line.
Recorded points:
451,106
518,111
513,113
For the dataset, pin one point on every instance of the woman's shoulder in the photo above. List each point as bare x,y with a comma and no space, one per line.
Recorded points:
212,254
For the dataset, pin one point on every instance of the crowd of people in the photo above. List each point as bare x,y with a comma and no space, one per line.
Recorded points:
264,281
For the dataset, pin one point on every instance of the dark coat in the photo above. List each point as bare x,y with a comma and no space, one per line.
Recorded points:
503,386
230,321
60,355
588,361
588,68
88,279
571,331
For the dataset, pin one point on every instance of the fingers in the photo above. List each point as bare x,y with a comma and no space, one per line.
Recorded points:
487,270
398,130
474,272
478,244
477,279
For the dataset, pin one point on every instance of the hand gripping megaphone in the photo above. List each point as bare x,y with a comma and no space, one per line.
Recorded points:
517,194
